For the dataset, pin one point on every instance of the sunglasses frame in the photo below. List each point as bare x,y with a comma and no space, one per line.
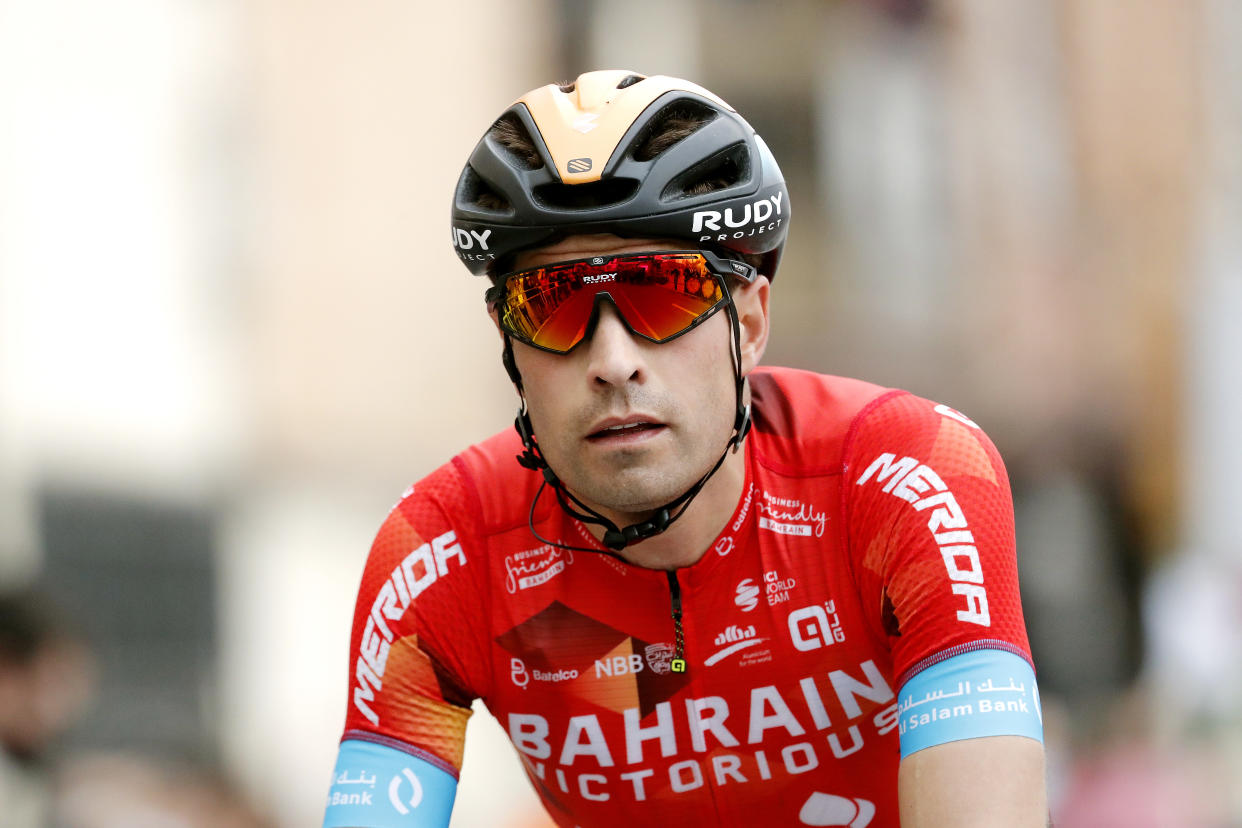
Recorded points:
719,267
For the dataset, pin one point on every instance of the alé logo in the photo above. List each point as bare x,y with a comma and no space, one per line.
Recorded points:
829,809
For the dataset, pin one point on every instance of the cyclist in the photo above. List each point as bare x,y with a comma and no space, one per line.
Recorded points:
706,592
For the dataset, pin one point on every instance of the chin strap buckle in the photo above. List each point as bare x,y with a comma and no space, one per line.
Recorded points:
618,539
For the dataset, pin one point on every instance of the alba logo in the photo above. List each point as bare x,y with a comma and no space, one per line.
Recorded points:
416,796
826,809
747,595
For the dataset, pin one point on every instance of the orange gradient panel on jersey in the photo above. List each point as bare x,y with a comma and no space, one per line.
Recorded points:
658,295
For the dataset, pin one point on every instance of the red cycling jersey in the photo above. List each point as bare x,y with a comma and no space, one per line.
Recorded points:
873,539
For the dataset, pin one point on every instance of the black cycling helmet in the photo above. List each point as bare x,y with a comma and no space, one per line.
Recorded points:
581,158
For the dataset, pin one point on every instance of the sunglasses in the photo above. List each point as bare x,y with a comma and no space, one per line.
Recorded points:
659,296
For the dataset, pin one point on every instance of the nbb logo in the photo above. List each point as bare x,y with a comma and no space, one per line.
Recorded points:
618,665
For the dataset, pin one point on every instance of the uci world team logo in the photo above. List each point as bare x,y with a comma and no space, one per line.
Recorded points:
747,595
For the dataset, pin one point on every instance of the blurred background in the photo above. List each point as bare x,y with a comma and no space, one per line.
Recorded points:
232,331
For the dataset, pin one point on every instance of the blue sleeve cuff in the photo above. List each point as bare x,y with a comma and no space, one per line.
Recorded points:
978,693
377,786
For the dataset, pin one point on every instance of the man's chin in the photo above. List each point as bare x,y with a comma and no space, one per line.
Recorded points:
627,497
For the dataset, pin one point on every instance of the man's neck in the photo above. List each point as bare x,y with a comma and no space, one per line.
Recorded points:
688,538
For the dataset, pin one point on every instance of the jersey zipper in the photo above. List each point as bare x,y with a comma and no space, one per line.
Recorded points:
678,664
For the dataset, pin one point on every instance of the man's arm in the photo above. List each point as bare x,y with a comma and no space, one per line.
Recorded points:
990,782
414,665
375,785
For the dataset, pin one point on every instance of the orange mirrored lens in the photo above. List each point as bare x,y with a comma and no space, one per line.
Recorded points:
658,295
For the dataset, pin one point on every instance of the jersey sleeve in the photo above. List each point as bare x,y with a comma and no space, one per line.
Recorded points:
417,658
931,535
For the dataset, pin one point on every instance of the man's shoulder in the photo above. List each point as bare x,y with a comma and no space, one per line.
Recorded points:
803,419
808,421
482,484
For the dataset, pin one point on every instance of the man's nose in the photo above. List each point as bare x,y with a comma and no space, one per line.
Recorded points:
614,354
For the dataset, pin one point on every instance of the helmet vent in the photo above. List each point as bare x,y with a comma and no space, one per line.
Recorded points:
602,193
724,169
566,86
630,80
477,193
511,134
670,125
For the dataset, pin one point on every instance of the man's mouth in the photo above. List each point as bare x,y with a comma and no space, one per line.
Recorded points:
625,431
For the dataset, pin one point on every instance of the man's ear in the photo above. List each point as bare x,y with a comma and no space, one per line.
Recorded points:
751,302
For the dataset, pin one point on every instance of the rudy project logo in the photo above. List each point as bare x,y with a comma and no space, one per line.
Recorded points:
579,165
599,278
827,809
747,595
473,245
759,216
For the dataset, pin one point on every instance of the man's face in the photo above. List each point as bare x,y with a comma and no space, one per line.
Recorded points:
629,424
